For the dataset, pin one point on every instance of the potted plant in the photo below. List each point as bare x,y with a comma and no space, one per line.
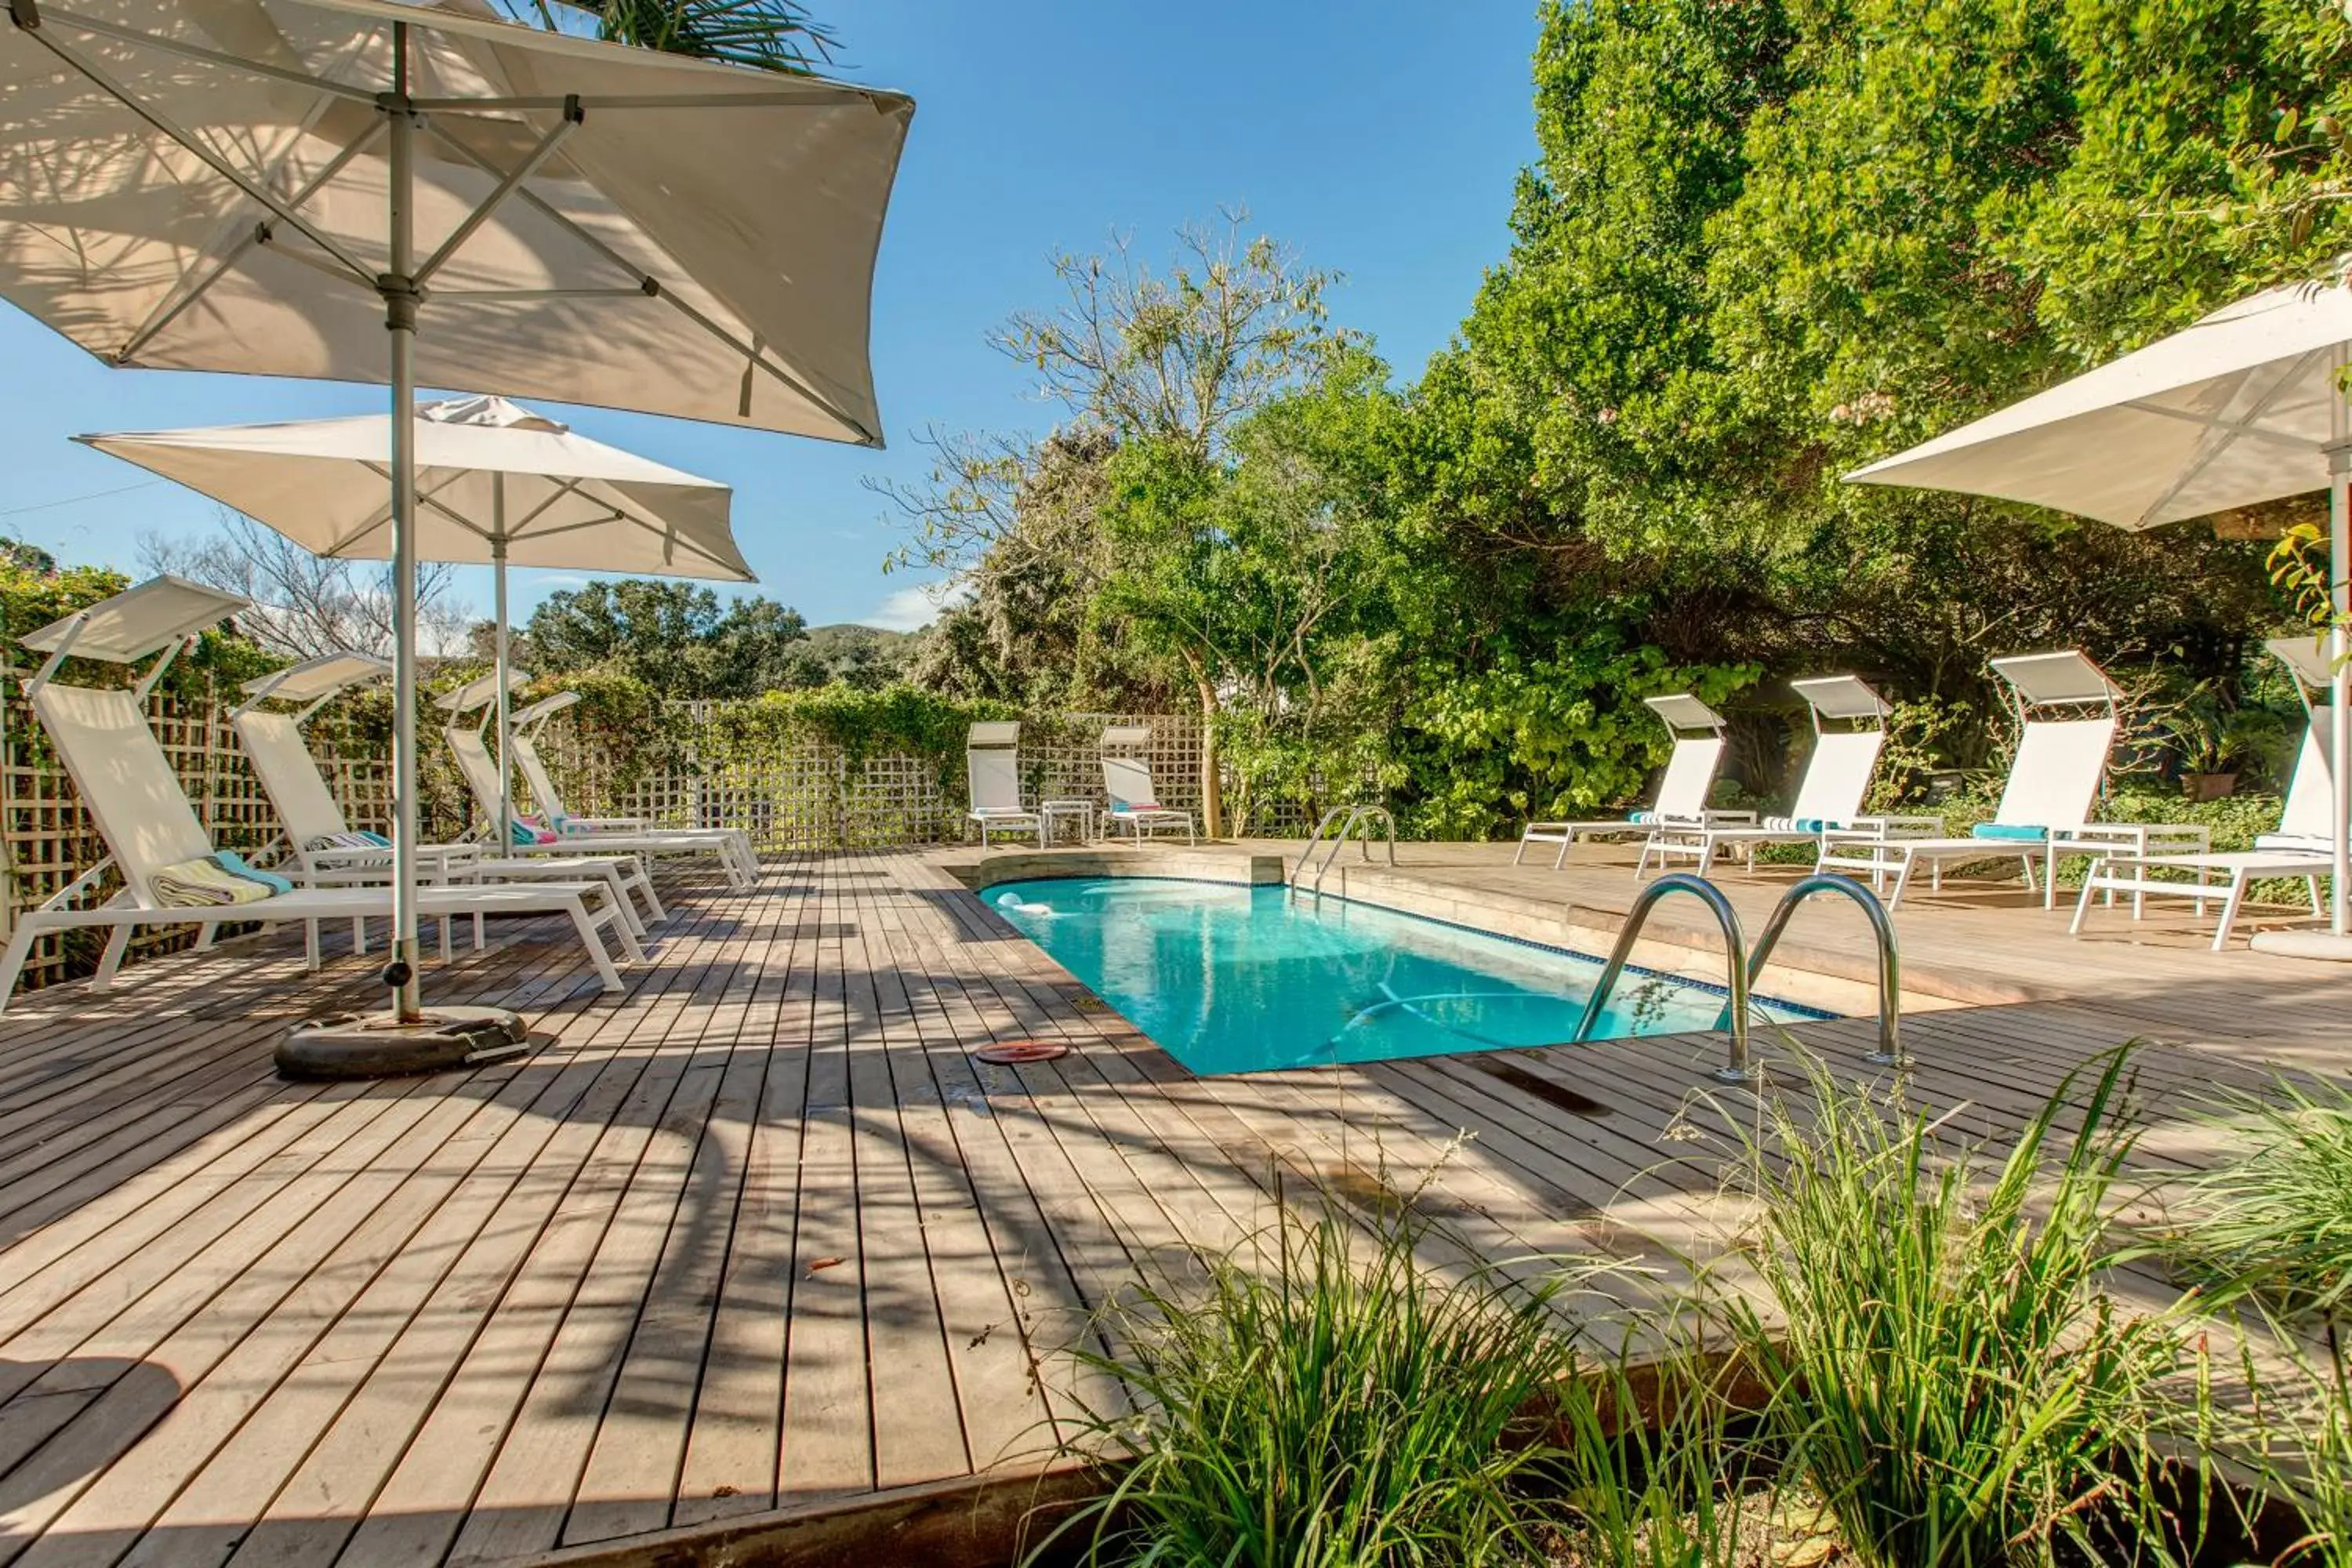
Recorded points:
2214,739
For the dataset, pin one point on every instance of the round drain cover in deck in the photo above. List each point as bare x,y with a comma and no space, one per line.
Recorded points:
1013,1053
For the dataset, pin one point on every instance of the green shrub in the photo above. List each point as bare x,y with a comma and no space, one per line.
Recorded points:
1322,1402
1947,1373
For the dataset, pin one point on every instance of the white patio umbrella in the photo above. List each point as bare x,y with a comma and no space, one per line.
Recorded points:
496,482
263,186
2245,405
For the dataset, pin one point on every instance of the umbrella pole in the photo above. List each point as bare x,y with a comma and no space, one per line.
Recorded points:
499,567
399,292
2339,601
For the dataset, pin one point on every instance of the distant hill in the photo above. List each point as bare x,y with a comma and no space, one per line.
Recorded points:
861,656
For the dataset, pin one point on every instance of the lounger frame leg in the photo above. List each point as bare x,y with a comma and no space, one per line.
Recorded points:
2237,895
594,941
2083,902
117,942
30,928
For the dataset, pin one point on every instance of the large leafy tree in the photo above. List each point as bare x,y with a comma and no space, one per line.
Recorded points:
674,637
1156,368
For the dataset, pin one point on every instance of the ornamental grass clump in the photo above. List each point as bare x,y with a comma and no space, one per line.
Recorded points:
1321,1401
1658,1475
2276,1215
1947,1373
2294,1439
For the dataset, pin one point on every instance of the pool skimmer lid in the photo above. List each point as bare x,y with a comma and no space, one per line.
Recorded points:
1017,1053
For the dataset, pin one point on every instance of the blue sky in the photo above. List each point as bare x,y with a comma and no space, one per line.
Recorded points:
1381,138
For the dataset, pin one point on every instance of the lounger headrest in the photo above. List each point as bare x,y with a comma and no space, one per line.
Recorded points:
136,622
2063,679
1843,696
1680,711
315,679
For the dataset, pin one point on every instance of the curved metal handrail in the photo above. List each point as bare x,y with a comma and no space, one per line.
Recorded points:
1735,1069
1890,969
1357,815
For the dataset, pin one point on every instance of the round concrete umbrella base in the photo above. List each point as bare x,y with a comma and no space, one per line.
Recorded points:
378,1045
2324,946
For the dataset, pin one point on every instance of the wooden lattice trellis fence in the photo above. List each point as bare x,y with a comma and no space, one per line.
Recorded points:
805,793
801,794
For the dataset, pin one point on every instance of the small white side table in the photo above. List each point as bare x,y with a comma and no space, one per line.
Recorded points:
1051,814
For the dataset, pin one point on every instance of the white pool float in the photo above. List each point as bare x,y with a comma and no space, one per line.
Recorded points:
1013,903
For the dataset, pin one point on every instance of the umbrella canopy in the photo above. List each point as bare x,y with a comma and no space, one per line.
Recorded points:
265,186
631,229
2245,406
495,483
2238,408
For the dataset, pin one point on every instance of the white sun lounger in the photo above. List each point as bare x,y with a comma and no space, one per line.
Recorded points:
481,772
1128,786
992,760
1828,796
2067,707
2304,845
318,835
1681,793
128,787
617,833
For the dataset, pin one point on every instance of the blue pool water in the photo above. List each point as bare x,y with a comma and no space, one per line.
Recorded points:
1230,978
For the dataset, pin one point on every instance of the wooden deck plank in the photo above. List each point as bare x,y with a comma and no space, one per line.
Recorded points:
826,1446
578,1299
631,1478
730,1462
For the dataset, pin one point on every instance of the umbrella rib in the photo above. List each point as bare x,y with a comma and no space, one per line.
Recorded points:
2242,428
174,308
506,187
668,535
621,513
382,515
496,296
204,154
636,101
653,286
2231,426
621,510
562,488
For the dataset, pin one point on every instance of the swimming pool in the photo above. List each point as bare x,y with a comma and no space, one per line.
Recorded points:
1231,979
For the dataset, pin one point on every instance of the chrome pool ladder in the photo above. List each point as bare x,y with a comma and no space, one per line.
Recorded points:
1741,966
1356,816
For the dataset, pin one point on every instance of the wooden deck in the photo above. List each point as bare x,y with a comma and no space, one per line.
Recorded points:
760,1232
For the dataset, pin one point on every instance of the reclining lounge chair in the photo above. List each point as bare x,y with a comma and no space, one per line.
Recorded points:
1849,731
324,848
2303,844
1681,793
